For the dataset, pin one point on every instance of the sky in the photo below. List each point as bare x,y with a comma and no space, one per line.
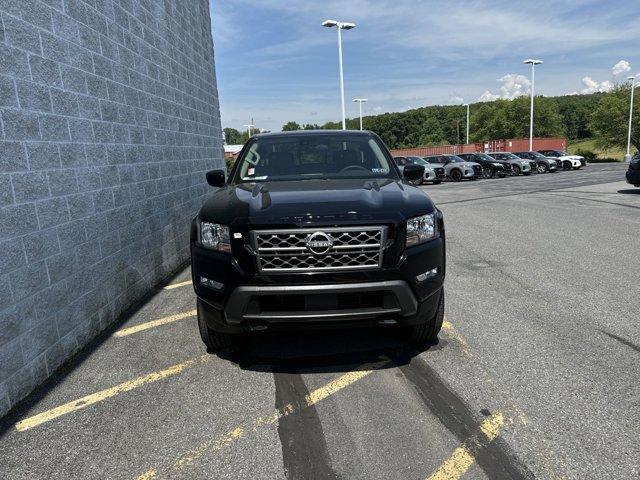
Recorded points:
275,62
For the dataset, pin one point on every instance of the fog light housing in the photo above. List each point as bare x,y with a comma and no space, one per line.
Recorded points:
207,282
427,275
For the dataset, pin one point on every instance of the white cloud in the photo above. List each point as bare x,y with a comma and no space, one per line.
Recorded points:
593,86
513,85
621,67
455,99
487,96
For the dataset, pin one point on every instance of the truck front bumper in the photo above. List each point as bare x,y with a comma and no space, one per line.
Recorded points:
240,301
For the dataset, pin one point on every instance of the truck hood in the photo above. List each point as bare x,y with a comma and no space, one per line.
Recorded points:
315,202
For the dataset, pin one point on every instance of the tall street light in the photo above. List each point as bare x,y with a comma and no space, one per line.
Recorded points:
340,26
467,105
360,100
249,127
633,85
533,64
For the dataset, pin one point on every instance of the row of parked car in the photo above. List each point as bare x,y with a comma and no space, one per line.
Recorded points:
476,165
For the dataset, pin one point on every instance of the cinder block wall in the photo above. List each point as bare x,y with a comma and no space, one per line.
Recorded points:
109,119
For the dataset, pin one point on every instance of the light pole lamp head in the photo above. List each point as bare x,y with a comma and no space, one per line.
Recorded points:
532,61
632,78
465,104
360,100
336,23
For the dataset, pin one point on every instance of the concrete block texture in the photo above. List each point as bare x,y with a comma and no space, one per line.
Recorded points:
109,120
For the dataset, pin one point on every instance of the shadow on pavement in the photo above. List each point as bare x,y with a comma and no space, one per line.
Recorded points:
630,191
324,351
24,406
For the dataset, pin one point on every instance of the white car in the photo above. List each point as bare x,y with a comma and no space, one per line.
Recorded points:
568,161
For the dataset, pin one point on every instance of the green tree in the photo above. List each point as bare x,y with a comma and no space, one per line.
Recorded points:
576,111
610,120
289,126
310,126
233,136
510,119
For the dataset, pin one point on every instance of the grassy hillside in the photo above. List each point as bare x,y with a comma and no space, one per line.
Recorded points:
589,144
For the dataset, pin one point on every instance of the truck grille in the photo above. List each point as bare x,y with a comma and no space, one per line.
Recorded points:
319,249
439,172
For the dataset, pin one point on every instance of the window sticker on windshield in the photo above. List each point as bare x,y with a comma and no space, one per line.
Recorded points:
251,171
379,170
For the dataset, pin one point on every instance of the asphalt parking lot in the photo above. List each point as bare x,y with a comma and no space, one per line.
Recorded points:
535,375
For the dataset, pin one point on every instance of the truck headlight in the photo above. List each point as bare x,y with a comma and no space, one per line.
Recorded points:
215,236
421,229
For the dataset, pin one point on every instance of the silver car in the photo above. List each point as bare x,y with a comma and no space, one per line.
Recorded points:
456,168
518,165
432,174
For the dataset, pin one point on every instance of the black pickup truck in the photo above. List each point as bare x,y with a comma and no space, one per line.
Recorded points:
633,173
317,229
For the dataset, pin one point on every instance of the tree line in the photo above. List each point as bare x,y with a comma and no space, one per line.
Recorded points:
602,116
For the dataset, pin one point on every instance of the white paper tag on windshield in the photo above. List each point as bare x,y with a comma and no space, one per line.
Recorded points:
251,171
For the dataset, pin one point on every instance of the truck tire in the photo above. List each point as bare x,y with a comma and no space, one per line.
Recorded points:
427,332
213,340
566,165
516,170
542,168
455,175
487,173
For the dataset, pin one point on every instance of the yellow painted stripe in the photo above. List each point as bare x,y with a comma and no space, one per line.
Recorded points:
154,323
462,457
176,285
229,438
105,394
455,336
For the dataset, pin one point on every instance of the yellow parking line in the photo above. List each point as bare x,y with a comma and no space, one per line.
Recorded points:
176,285
463,457
230,437
154,323
102,395
459,339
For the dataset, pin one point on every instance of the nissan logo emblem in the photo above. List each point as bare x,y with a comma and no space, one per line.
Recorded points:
319,243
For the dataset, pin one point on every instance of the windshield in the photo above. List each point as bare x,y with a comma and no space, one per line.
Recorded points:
455,159
299,157
419,161
484,156
510,156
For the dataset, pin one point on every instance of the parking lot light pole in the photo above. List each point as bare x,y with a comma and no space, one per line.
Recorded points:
340,26
360,100
633,86
249,127
467,105
533,64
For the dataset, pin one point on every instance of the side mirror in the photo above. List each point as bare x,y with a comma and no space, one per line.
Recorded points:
413,172
215,178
